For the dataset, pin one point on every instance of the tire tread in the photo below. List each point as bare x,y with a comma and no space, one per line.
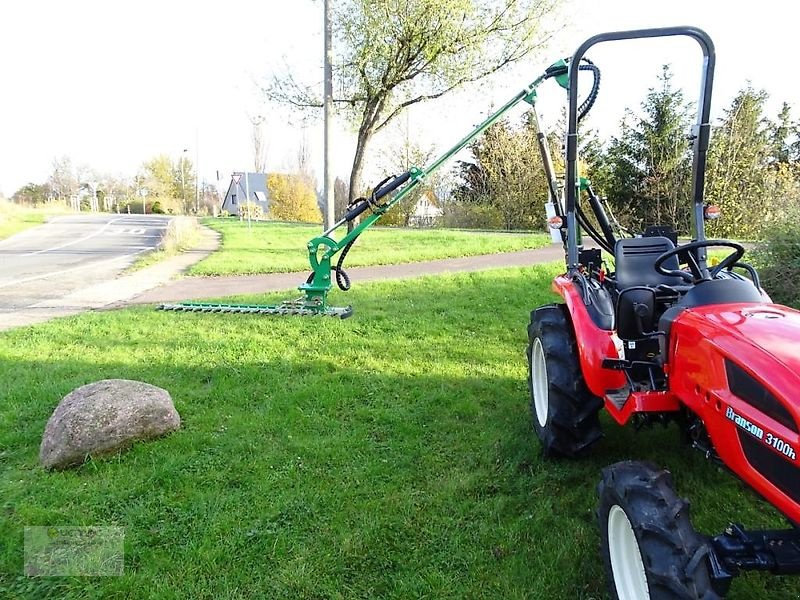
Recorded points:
573,425
670,547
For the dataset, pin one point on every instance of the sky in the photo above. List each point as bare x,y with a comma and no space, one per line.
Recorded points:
113,84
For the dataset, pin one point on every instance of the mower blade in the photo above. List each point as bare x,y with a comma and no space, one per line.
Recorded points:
287,308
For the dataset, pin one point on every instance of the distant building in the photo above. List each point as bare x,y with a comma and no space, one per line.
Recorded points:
246,187
425,212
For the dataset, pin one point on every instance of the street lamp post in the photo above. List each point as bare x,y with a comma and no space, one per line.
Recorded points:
196,172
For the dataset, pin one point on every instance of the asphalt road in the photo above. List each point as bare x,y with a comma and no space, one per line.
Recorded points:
45,267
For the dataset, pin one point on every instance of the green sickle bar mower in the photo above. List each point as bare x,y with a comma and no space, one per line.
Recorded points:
390,191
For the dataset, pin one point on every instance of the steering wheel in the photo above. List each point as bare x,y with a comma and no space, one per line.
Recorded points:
696,274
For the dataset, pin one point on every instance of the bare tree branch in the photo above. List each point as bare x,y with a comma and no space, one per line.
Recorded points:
390,55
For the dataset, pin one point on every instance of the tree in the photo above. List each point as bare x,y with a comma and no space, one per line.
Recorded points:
737,165
63,180
32,194
341,195
292,199
390,54
647,176
785,137
399,158
184,179
303,165
111,191
304,168
166,180
515,185
506,174
158,177
209,198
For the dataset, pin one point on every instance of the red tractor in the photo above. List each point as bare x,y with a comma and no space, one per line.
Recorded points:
668,337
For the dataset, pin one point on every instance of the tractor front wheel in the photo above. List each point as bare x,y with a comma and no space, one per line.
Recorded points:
649,546
565,412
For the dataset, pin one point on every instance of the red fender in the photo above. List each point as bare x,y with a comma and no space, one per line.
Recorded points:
757,437
594,344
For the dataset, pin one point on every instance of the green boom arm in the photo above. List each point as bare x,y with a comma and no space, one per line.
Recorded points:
323,248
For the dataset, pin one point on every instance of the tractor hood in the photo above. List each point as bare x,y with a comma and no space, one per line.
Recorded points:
772,328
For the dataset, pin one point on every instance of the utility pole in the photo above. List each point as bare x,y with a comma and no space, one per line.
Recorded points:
328,108
196,171
183,177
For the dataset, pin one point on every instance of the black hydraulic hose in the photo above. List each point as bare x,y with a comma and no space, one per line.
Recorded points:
588,225
385,187
342,279
587,104
586,65
601,216
555,71
592,231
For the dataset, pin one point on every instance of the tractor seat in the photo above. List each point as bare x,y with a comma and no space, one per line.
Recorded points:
635,257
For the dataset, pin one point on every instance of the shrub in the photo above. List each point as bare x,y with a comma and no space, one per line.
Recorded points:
292,198
466,215
251,210
156,208
778,261
182,233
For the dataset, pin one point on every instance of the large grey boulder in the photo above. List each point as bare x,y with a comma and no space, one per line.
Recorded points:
103,417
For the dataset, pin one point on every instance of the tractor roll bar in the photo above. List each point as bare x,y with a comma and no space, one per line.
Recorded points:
700,134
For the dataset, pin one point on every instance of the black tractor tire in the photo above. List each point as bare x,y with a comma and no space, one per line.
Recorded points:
564,411
649,546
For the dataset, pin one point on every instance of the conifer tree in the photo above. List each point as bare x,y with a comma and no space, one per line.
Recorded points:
738,160
647,176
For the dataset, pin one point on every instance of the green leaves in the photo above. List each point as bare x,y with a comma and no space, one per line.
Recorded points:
648,179
746,179
170,182
506,175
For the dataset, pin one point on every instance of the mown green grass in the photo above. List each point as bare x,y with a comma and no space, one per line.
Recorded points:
389,455
281,247
15,218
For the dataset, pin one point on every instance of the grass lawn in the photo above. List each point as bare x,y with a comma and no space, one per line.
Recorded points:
14,219
281,247
389,455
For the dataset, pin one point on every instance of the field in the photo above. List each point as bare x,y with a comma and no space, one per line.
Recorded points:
14,218
281,247
389,455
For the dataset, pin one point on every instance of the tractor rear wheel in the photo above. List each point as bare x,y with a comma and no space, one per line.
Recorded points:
649,546
565,412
